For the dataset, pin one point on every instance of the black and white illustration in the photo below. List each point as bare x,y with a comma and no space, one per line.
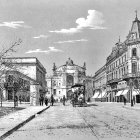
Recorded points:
69,70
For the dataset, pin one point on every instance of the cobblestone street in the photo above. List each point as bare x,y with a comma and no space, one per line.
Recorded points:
101,121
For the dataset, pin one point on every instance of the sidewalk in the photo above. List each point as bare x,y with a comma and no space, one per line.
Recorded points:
121,104
13,121
11,104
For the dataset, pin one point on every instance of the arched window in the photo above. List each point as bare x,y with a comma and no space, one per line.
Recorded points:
134,52
70,80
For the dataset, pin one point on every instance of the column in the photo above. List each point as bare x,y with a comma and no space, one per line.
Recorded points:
34,95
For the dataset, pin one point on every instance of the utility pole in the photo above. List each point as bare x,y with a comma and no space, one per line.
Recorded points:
1,96
51,86
131,88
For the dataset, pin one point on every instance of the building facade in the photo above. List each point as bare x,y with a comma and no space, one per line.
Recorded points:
32,68
64,77
123,68
100,84
123,65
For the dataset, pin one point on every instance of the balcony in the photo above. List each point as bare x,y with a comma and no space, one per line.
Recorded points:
113,81
131,75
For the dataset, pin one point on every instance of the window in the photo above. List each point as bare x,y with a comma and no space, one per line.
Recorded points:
124,70
119,73
54,91
134,52
134,67
119,61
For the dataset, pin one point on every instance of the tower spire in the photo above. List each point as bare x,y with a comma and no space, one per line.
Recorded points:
119,39
136,15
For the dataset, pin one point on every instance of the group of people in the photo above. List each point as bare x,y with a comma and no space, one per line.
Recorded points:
45,100
125,100
51,100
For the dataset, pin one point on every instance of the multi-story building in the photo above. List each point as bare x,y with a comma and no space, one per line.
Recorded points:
123,66
88,87
64,77
100,84
32,68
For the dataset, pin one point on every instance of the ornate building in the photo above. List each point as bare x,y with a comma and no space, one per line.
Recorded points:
123,65
122,69
64,77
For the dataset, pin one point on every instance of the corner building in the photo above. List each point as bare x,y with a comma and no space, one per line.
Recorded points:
35,72
123,67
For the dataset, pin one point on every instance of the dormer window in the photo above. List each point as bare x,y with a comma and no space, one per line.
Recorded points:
134,52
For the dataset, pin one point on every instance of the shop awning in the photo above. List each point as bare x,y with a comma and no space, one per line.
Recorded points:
96,94
107,95
102,94
135,92
125,92
119,93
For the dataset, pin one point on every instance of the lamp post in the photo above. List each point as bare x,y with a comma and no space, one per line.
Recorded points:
51,85
131,86
101,91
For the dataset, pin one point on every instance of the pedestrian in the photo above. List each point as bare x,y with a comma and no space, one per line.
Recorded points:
46,101
16,100
134,99
52,99
41,100
20,99
64,100
124,100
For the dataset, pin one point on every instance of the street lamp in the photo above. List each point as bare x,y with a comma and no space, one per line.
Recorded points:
131,86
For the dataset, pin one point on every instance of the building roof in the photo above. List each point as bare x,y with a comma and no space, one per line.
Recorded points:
25,60
132,38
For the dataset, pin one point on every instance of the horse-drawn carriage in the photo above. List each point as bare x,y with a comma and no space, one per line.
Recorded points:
78,96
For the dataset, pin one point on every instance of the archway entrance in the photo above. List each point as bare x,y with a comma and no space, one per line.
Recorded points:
70,80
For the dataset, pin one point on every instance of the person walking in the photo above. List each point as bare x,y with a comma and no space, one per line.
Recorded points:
46,101
134,99
52,99
16,100
41,100
20,99
64,100
124,100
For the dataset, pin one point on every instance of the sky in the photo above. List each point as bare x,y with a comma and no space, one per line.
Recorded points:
54,30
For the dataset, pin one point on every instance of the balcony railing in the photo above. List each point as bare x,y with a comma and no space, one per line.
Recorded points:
129,75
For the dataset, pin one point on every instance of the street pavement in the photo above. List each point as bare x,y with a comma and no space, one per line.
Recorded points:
11,122
98,121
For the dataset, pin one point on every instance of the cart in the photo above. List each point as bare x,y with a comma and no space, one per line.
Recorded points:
78,96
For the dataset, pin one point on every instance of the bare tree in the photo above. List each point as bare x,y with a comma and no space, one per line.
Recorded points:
4,66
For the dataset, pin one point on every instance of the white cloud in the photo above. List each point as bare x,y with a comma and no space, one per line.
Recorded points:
14,24
51,49
40,36
94,21
72,41
71,31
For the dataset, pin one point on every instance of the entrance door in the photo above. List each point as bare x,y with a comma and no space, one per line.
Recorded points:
10,95
137,98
